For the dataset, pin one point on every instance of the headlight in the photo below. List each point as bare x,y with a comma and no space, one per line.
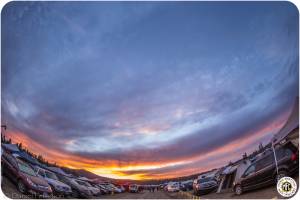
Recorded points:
30,182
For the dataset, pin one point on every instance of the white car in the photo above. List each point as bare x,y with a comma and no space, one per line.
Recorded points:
173,187
57,186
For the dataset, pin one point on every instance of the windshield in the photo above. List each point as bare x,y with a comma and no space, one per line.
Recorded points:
51,175
26,169
203,180
83,183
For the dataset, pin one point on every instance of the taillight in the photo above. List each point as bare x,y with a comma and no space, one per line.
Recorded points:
294,157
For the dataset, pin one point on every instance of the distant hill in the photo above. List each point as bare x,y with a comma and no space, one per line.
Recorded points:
85,173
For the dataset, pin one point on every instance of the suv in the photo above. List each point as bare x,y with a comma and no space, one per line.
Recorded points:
58,187
204,185
263,171
24,176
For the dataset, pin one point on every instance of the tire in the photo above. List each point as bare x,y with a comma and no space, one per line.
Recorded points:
238,190
280,175
21,187
53,190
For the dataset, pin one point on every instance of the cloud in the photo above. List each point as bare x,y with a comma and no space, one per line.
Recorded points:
129,83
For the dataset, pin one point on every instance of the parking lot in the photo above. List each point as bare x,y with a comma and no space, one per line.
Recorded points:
10,190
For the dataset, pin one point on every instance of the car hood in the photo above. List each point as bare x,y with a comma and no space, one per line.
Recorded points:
36,180
56,183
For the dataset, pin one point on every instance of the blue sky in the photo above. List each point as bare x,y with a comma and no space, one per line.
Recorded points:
149,83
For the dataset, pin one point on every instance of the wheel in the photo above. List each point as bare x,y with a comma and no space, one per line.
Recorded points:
53,190
238,190
21,187
280,175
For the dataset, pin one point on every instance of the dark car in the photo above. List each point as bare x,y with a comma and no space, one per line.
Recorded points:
102,188
182,187
189,185
204,185
263,172
24,176
78,191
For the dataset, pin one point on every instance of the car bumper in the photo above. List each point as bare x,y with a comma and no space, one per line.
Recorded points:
207,189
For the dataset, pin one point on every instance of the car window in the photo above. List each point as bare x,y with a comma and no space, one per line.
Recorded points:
203,180
250,170
11,160
82,183
282,152
264,162
51,175
26,169
64,179
41,173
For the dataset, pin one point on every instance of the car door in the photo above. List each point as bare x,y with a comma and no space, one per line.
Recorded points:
12,168
264,170
248,179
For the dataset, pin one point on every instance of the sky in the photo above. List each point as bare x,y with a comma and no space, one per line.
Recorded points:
147,90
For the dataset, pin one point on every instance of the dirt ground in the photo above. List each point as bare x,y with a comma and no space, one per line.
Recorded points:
140,195
10,190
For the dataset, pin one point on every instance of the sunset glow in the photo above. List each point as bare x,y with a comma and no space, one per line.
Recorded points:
147,90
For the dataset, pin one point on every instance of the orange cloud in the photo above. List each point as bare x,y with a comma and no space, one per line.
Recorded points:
112,168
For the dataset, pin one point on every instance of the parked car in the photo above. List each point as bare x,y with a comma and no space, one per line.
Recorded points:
182,187
188,185
108,187
78,190
133,188
263,172
94,190
119,188
173,187
116,189
103,189
58,187
24,176
204,185
122,188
